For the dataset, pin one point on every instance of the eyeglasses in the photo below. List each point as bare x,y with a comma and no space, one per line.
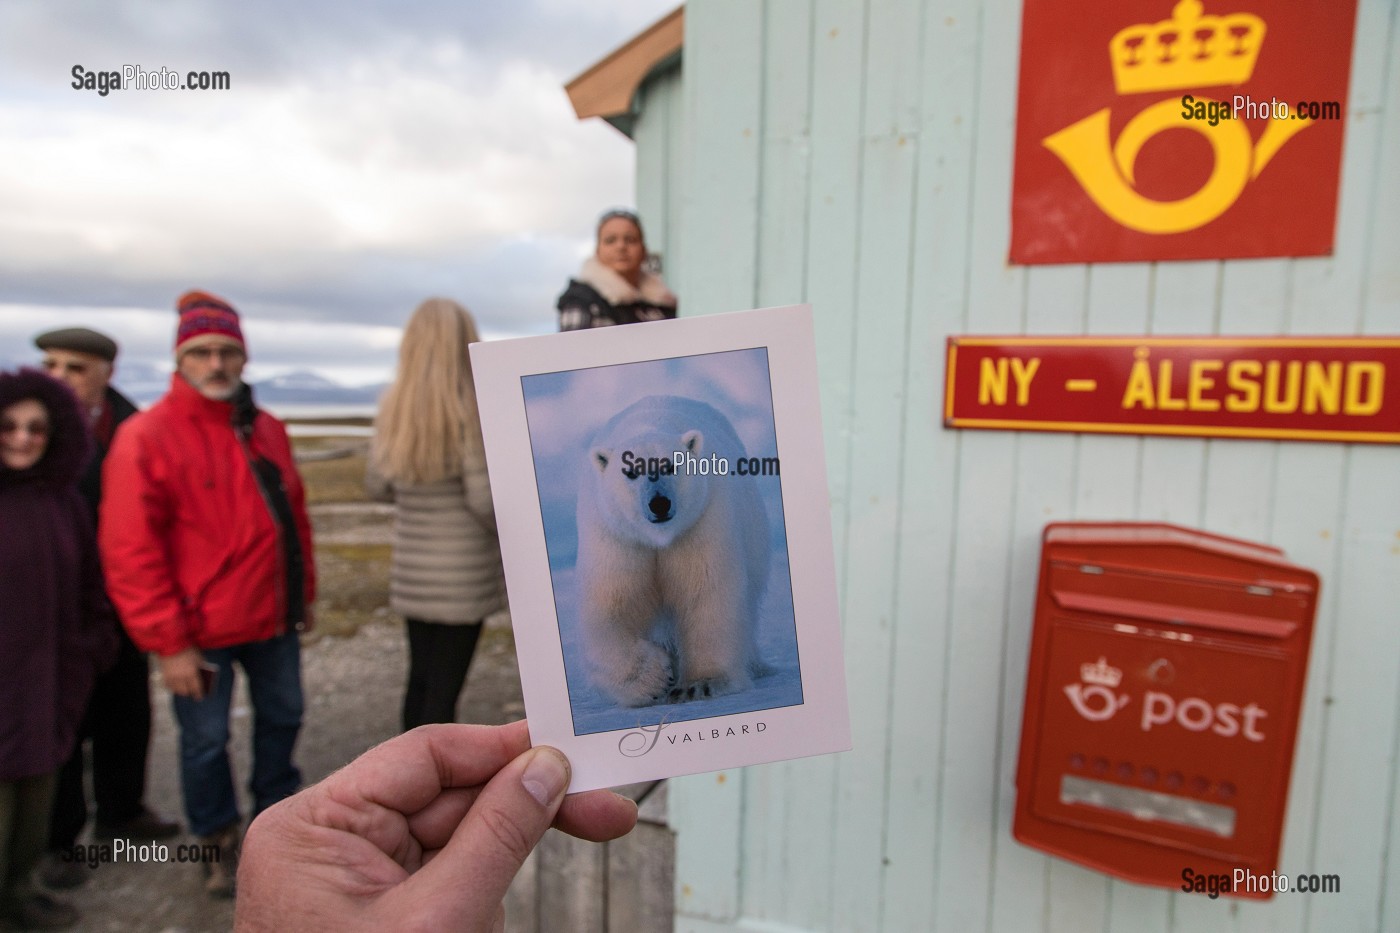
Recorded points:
34,428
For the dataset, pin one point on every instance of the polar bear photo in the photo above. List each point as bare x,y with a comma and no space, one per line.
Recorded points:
671,580
672,555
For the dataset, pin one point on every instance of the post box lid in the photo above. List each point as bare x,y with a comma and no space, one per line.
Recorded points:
1150,546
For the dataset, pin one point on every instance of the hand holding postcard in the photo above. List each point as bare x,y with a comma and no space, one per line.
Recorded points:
660,491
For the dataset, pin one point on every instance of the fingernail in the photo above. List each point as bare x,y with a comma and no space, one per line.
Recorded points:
546,775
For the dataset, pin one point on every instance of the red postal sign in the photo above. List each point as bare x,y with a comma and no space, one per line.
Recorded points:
1281,388
1179,129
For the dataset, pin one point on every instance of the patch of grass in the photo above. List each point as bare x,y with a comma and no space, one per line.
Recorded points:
318,443
338,480
357,420
353,586
353,578
496,639
358,553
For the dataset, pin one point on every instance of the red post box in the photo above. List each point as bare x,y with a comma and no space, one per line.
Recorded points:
1162,701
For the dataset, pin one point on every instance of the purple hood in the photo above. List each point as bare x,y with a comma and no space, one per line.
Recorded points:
70,445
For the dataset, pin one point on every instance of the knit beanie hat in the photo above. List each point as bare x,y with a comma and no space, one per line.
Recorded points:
206,319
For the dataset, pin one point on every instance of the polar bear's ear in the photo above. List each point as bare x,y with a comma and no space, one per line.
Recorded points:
693,440
600,457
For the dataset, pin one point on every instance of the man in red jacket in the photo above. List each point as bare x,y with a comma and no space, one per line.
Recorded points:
207,551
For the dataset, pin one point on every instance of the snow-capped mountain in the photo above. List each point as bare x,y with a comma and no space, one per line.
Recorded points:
304,387
143,383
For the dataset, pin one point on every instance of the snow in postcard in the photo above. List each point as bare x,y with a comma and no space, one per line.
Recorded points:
660,493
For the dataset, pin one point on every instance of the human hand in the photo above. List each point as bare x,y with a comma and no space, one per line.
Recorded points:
425,831
180,671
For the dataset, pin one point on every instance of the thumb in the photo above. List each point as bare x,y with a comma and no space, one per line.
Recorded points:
502,828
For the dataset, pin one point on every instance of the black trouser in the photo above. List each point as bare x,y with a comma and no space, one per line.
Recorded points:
438,657
118,720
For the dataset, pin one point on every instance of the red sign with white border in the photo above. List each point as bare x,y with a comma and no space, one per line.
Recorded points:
1344,389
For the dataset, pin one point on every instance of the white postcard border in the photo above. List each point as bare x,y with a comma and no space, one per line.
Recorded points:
821,723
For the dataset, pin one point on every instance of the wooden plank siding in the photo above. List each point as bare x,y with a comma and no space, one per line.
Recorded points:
623,886
719,273
857,155
658,131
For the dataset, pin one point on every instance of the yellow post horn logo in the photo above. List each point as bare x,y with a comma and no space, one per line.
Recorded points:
1187,51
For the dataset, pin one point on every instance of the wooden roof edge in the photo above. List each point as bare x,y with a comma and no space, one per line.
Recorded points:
608,87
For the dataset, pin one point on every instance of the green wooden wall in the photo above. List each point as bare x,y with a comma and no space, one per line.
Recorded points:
659,133
856,154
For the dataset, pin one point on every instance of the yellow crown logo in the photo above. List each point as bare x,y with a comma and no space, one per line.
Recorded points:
1100,673
1187,51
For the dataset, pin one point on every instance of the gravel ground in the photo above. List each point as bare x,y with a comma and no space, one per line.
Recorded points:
353,688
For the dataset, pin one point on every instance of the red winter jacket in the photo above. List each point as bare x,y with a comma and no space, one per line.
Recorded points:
190,547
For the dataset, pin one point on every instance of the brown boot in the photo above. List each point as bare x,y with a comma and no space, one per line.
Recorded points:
220,860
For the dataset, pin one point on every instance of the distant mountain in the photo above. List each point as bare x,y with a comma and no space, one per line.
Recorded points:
302,380
140,382
143,383
304,387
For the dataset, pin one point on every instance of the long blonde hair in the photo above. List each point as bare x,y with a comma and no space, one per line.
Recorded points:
428,426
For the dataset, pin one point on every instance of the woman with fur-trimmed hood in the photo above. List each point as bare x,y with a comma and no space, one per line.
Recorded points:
615,287
56,627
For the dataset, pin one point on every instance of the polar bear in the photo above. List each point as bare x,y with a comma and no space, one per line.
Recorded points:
671,564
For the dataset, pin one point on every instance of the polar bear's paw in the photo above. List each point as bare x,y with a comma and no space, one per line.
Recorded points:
703,688
646,675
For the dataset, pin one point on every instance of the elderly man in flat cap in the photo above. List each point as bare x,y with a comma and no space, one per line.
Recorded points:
119,713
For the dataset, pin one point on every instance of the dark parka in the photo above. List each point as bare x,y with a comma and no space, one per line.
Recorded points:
91,483
599,297
56,626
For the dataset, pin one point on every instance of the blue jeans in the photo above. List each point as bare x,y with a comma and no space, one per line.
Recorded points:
273,668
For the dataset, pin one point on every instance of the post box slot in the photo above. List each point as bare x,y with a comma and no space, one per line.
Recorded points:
1177,600
1149,805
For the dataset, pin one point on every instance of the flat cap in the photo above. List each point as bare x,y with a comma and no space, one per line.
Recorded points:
79,339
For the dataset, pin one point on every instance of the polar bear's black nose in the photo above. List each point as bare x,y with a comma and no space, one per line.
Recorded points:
660,508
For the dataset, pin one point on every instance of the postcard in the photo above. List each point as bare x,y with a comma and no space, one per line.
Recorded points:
661,496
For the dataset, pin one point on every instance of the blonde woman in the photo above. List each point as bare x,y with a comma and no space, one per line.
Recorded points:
427,458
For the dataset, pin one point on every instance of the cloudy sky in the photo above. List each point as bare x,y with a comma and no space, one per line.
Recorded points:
366,156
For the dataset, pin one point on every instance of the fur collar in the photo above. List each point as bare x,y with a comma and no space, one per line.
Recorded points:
618,291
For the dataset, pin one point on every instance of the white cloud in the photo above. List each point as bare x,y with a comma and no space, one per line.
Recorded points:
397,162
358,164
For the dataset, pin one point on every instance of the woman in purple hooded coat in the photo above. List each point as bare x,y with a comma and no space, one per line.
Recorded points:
56,630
